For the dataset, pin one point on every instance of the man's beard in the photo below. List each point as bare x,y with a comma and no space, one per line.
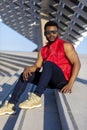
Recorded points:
50,42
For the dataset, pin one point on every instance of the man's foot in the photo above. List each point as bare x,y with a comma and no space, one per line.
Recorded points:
7,108
32,102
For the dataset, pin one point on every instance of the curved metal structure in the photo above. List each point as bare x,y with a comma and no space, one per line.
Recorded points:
25,17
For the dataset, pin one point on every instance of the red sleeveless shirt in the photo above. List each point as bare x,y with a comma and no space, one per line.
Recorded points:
55,53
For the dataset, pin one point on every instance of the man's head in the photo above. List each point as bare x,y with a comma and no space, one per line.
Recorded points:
51,31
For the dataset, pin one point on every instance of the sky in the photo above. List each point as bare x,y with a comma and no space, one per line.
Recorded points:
12,41
82,47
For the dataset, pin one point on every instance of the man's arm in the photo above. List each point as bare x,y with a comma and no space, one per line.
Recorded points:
74,59
30,69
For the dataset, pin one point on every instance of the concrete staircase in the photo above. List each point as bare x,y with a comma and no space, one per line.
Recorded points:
46,117
73,107
58,111
11,67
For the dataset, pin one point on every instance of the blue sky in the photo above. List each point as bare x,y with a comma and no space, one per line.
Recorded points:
82,47
13,41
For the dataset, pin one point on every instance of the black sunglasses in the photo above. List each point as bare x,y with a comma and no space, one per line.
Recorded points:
50,32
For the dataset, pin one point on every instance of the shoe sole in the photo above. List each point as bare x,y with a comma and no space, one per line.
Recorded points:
31,107
8,113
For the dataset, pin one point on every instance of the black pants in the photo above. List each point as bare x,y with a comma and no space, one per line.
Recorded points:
51,76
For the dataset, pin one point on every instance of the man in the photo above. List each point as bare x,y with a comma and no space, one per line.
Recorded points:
60,64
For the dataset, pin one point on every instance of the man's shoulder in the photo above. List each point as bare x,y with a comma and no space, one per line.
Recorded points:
68,46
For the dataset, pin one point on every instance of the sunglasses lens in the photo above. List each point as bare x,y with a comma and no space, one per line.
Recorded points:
50,32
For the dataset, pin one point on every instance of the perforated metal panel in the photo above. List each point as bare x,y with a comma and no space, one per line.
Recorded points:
25,16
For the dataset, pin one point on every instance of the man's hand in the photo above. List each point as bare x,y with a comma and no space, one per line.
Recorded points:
26,73
66,89
30,69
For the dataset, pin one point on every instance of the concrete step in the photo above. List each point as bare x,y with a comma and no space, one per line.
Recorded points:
1,77
8,86
2,74
17,63
7,70
44,118
83,70
73,107
21,54
4,80
8,122
9,65
19,58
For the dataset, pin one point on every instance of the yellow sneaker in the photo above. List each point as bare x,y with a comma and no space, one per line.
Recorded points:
32,102
7,108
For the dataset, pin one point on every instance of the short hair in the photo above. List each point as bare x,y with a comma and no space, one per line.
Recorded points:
51,23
